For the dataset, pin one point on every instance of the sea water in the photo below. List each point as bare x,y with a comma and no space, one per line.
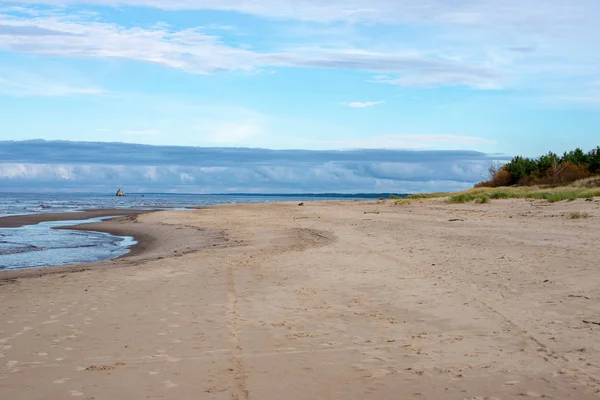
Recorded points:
41,245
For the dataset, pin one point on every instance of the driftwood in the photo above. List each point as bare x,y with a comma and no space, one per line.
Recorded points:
591,322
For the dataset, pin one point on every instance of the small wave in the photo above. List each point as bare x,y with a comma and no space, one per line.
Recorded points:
27,249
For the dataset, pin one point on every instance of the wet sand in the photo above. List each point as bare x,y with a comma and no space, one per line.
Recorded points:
333,300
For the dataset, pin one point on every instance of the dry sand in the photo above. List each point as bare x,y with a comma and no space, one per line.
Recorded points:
333,300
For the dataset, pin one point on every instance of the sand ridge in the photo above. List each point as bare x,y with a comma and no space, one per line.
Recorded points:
332,300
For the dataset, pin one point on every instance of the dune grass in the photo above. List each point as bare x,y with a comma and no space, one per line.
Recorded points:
583,189
402,202
428,195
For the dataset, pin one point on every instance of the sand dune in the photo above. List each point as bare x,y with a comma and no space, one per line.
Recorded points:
332,300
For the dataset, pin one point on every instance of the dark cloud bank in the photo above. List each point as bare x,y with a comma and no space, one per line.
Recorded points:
39,165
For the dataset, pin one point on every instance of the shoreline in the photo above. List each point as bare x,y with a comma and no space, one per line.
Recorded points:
154,241
18,221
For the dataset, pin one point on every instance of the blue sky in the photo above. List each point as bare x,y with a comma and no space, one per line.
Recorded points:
509,77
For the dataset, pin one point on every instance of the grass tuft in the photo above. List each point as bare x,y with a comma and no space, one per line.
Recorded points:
482,200
578,215
402,202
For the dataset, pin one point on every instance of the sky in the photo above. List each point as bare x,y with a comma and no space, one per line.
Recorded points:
495,78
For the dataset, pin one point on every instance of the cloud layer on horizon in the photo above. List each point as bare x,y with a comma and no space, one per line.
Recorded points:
87,166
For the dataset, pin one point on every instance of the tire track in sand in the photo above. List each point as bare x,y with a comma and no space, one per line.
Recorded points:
239,390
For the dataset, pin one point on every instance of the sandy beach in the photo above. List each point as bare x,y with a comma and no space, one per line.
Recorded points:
332,300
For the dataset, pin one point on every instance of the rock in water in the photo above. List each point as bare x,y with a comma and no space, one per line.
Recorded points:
120,193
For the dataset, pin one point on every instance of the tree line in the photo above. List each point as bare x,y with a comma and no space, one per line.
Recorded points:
549,169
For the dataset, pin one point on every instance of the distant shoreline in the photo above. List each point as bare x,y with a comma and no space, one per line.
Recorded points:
17,221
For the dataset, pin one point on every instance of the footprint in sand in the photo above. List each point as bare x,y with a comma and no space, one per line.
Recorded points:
75,393
170,384
61,381
6,347
153,372
40,354
532,394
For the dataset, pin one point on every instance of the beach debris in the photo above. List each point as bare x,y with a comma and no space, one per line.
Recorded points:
104,367
120,193
589,199
575,295
591,322
455,220
371,212
300,204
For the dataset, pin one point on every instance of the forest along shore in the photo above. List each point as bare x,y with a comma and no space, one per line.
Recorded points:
337,300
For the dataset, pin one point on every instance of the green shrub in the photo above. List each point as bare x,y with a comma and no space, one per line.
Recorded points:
549,169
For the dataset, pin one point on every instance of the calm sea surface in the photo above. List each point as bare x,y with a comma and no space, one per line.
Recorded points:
41,246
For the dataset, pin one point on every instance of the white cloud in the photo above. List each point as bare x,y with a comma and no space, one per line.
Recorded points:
81,36
299,175
142,132
508,12
20,83
488,44
364,104
290,178
482,80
